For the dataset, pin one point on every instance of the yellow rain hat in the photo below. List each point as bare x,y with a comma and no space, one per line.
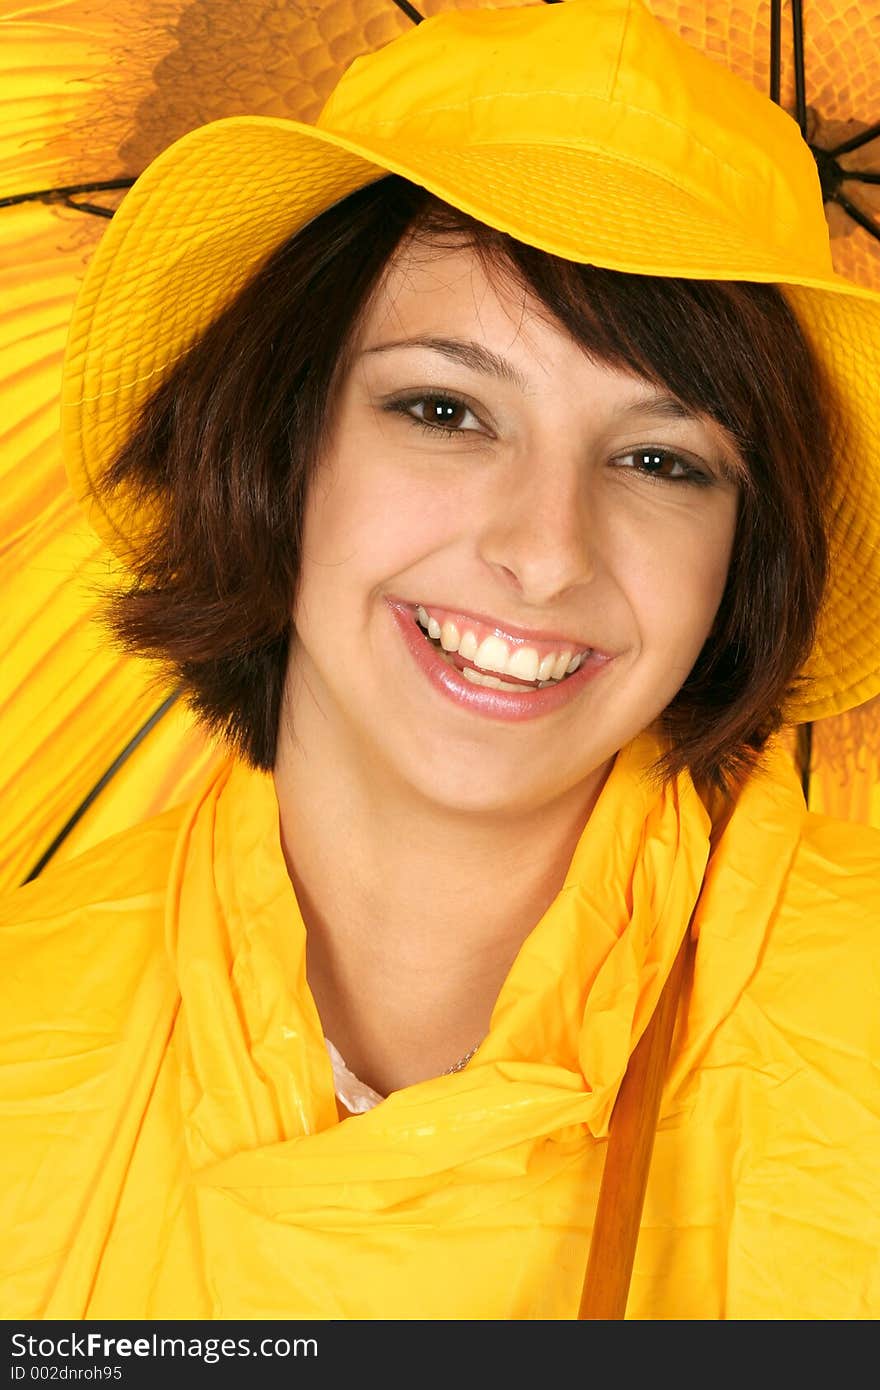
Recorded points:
588,129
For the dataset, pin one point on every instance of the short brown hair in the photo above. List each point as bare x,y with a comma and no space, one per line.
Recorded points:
225,450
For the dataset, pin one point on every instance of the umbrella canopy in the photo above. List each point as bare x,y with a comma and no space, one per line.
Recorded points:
93,91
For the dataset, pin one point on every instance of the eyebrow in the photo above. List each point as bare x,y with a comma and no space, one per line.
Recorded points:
483,359
661,405
468,353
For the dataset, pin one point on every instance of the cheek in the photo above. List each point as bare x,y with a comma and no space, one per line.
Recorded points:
367,503
371,522
677,583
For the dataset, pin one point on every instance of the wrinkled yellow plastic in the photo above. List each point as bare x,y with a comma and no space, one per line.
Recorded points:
169,1140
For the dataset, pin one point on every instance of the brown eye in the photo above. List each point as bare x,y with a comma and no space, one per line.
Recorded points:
658,463
440,410
444,415
663,465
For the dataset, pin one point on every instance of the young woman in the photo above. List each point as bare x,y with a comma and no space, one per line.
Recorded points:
494,461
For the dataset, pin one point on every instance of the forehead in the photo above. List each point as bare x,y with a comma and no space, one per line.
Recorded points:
428,287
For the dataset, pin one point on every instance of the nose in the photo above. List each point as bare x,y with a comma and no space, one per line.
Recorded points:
542,532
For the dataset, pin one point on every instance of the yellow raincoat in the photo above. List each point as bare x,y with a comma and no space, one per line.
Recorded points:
171,1146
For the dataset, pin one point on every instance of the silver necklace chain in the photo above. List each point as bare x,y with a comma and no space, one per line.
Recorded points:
462,1061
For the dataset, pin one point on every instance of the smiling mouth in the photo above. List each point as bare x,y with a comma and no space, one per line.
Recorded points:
490,661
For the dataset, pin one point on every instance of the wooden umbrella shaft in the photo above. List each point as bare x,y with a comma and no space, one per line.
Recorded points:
628,1158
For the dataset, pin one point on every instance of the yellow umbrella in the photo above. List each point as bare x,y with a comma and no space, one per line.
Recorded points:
93,90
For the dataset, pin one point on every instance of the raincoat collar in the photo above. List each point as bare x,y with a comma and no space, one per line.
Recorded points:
257,1082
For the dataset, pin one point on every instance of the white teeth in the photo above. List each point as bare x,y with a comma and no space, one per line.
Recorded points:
523,663
491,654
545,670
468,646
561,666
494,682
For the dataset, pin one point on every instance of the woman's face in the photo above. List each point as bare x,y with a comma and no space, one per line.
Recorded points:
538,511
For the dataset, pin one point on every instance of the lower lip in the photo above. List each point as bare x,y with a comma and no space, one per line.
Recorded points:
507,705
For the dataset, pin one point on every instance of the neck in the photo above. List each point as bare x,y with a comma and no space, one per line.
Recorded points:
414,911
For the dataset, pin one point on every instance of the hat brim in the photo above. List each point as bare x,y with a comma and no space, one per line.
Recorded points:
213,207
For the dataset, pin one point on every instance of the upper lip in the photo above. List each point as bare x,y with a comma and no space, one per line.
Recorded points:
508,631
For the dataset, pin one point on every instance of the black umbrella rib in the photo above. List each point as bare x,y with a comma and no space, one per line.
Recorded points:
857,215
775,49
88,207
65,195
409,10
101,784
864,137
800,88
804,757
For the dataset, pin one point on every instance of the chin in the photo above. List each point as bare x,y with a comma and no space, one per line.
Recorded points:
481,788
